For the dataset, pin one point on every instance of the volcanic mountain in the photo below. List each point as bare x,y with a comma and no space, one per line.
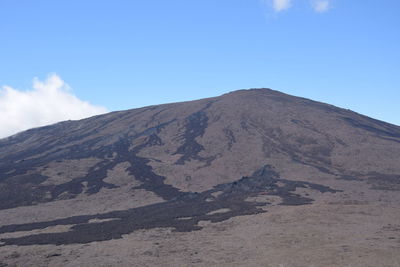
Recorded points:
253,177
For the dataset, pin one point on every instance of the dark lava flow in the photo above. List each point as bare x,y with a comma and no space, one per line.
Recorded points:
181,213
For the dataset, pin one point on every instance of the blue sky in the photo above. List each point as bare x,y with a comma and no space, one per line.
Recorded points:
123,54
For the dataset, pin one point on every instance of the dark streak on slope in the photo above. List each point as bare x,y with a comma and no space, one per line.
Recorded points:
144,172
196,125
194,207
230,136
18,192
380,181
385,131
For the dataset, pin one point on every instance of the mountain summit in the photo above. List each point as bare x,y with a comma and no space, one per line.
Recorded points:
251,176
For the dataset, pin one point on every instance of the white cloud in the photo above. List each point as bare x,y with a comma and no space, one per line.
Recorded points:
279,5
49,101
321,6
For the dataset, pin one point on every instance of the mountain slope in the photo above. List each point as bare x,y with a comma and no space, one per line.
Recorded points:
178,165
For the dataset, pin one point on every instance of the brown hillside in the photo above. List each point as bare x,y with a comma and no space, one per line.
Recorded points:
247,178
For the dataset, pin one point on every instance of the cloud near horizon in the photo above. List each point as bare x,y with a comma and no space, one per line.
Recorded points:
49,101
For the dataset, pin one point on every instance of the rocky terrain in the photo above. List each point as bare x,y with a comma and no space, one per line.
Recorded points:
250,178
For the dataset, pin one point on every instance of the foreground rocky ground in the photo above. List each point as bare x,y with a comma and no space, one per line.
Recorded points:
351,232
